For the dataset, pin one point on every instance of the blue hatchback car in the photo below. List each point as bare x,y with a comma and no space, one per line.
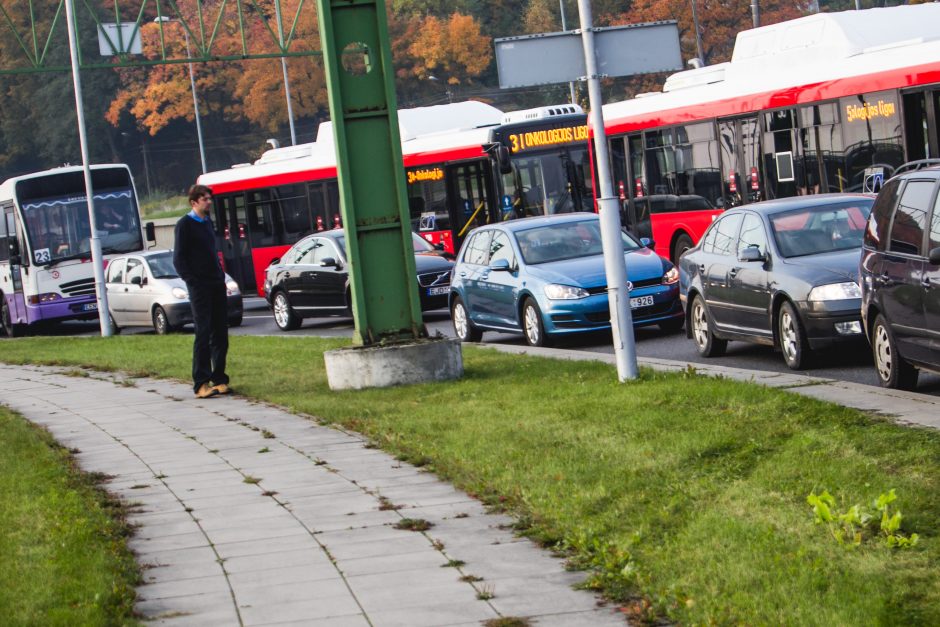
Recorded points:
544,277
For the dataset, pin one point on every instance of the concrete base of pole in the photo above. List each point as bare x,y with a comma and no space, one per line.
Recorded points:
420,361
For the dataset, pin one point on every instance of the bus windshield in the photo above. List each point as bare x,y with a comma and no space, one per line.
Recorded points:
58,227
551,182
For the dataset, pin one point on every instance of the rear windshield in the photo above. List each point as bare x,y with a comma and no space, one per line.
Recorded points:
823,229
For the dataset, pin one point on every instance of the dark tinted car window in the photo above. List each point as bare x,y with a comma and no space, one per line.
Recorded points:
161,266
820,229
935,226
876,235
478,248
910,218
726,234
752,234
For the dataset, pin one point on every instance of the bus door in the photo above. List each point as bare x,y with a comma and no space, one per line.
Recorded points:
922,124
236,247
739,144
787,173
470,206
11,283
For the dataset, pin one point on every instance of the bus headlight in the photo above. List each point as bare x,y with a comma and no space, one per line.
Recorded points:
179,293
48,297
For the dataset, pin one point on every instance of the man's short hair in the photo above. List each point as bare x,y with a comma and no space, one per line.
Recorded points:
198,191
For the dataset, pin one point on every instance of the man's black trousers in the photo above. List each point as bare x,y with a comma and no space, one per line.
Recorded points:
210,320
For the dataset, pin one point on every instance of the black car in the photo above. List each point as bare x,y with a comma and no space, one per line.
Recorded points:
312,279
900,278
782,273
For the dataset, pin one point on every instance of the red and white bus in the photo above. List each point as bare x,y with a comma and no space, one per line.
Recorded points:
466,164
830,102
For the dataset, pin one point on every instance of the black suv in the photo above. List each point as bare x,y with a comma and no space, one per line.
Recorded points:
900,277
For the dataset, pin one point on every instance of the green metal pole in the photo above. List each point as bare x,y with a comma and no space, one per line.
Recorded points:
359,72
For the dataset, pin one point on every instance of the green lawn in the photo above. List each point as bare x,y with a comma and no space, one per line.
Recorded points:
685,495
63,560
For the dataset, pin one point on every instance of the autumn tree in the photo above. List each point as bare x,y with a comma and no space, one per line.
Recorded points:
454,48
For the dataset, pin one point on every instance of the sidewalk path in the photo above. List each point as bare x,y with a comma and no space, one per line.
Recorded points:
252,516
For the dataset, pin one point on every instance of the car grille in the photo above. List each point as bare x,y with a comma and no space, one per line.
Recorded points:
602,289
434,279
82,287
638,314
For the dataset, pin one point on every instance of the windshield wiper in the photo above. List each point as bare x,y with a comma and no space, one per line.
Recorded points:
80,255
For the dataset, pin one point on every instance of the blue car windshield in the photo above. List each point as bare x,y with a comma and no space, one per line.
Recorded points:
565,240
821,229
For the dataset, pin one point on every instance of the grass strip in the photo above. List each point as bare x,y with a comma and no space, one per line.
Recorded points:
63,557
684,496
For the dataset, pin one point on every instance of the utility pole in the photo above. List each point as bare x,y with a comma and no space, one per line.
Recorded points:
621,318
96,260
564,26
280,38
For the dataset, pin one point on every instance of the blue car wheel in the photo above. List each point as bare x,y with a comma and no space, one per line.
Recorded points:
532,325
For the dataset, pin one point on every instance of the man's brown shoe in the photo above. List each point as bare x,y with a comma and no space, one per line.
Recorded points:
206,391
222,388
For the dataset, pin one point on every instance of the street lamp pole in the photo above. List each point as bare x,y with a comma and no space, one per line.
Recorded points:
280,36
192,85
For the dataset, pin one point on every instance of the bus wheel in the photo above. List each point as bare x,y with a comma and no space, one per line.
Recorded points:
683,243
12,330
161,324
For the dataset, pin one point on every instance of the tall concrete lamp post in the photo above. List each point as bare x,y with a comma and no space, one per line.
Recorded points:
192,83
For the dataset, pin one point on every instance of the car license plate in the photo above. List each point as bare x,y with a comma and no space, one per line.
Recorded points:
438,291
641,301
90,307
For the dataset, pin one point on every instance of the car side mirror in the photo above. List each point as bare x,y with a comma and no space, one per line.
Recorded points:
329,262
500,265
934,256
439,246
751,253
648,242
137,280
274,261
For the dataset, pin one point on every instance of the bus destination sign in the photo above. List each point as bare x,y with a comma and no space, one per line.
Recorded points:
542,138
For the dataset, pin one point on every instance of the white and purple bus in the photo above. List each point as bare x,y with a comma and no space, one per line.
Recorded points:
46,273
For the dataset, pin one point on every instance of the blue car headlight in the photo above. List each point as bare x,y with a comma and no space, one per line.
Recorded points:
835,291
671,276
555,291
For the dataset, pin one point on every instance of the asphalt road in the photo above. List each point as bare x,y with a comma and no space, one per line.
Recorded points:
847,363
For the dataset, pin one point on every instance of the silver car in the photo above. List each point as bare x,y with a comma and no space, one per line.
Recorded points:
144,289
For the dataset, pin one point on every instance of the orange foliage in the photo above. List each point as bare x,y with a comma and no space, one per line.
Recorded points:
238,90
454,48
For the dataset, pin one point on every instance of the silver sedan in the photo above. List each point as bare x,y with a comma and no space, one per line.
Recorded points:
144,289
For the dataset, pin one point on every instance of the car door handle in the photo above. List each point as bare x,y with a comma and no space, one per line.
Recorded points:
463,275
884,279
733,272
701,268
287,275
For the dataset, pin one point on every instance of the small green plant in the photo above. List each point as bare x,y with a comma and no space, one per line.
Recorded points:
471,579
850,527
453,564
385,504
252,480
486,593
413,524
507,621
264,450
267,434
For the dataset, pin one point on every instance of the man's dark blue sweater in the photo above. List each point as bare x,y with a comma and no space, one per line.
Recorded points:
195,256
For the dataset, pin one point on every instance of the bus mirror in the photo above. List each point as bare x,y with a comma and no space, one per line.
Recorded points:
502,159
150,230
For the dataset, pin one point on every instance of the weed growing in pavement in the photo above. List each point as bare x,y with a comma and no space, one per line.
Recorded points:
413,524
507,621
252,480
486,592
267,434
386,505
471,579
453,564
264,450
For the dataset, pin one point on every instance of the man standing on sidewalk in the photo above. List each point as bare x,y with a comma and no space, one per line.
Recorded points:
197,262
